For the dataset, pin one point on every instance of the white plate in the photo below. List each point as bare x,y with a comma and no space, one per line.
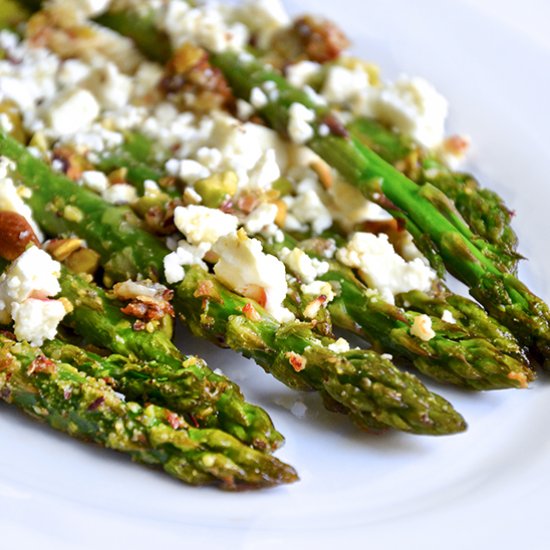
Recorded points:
486,488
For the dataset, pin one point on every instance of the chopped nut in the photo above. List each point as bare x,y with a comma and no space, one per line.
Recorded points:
215,189
16,235
297,361
61,249
324,173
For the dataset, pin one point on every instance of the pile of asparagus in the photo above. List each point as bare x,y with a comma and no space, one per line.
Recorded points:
194,423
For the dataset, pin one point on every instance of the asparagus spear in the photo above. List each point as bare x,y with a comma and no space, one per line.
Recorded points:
354,380
55,392
430,216
425,208
149,367
480,356
475,352
483,210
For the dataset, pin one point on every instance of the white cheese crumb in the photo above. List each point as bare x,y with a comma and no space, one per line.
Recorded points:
299,129
121,193
260,218
150,188
299,74
37,320
244,109
344,85
340,346
265,172
304,267
33,272
318,288
244,267
264,18
299,409
258,99
201,224
422,327
10,198
448,317
72,111
387,356
414,107
382,268
95,180
185,254
307,208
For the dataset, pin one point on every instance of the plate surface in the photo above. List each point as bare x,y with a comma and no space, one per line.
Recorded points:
488,487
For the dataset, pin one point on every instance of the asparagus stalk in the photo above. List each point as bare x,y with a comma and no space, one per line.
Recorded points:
476,352
482,209
126,249
425,207
158,372
481,356
430,216
55,392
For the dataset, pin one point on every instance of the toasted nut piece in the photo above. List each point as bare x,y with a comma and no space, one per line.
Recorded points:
119,175
61,249
16,234
84,260
281,212
323,171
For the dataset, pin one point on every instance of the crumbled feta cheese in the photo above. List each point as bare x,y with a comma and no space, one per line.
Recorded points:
299,74
258,99
307,208
173,270
422,328
10,198
150,189
188,170
121,193
414,107
73,72
261,217
36,320
383,269
95,180
344,85
32,273
340,346
387,356
264,18
299,409
265,171
24,290
72,111
448,317
244,109
304,267
205,25
318,288
85,8
201,224
245,268
111,88
299,118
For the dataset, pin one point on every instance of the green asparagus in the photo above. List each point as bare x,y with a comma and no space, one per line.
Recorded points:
62,207
483,210
55,392
476,352
150,367
424,207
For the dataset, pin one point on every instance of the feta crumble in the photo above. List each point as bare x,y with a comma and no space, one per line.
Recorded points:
245,268
95,180
382,268
121,193
414,107
37,320
422,328
201,224
339,346
318,288
304,267
72,111
448,317
299,129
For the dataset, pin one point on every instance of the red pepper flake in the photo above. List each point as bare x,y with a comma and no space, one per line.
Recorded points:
194,421
297,361
250,312
96,403
42,364
256,293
